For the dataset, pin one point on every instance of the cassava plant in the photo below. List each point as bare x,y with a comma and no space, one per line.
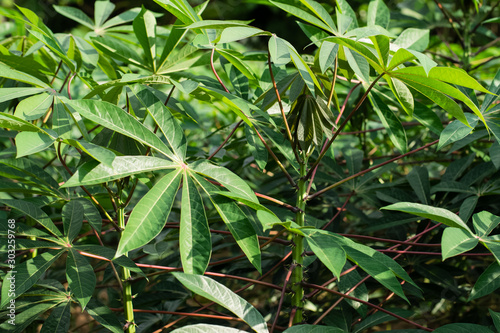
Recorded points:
151,173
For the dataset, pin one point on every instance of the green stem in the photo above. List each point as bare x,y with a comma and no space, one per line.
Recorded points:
127,286
298,249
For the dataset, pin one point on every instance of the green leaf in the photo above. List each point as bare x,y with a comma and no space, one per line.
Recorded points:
225,177
28,143
91,214
81,277
358,64
378,14
329,252
72,216
379,318
414,39
360,49
403,95
27,274
218,293
75,14
484,223
456,241
428,118
302,14
150,214
35,213
313,329
233,34
7,94
390,121
166,122
278,49
419,182
494,89
462,328
145,31
116,119
104,316
305,72
25,318
256,147
180,9
456,76
327,53
467,208
236,221
434,213
195,243
435,89
347,10
455,131
34,107
487,283
118,50
206,328
241,65
496,318
93,172
10,73
14,123
102,10
265,215
321,13
99,153
59,319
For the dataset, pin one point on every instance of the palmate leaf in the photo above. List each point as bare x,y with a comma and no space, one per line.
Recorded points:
236,221
93,172
195,243
218,293
27,274
150,214
116,119
81,277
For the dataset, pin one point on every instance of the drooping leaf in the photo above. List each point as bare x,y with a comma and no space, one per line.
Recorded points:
206,328
76,15
150,214
220,294
304,15
434,213
195,243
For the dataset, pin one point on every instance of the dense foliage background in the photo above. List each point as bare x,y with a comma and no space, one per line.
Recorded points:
134,149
